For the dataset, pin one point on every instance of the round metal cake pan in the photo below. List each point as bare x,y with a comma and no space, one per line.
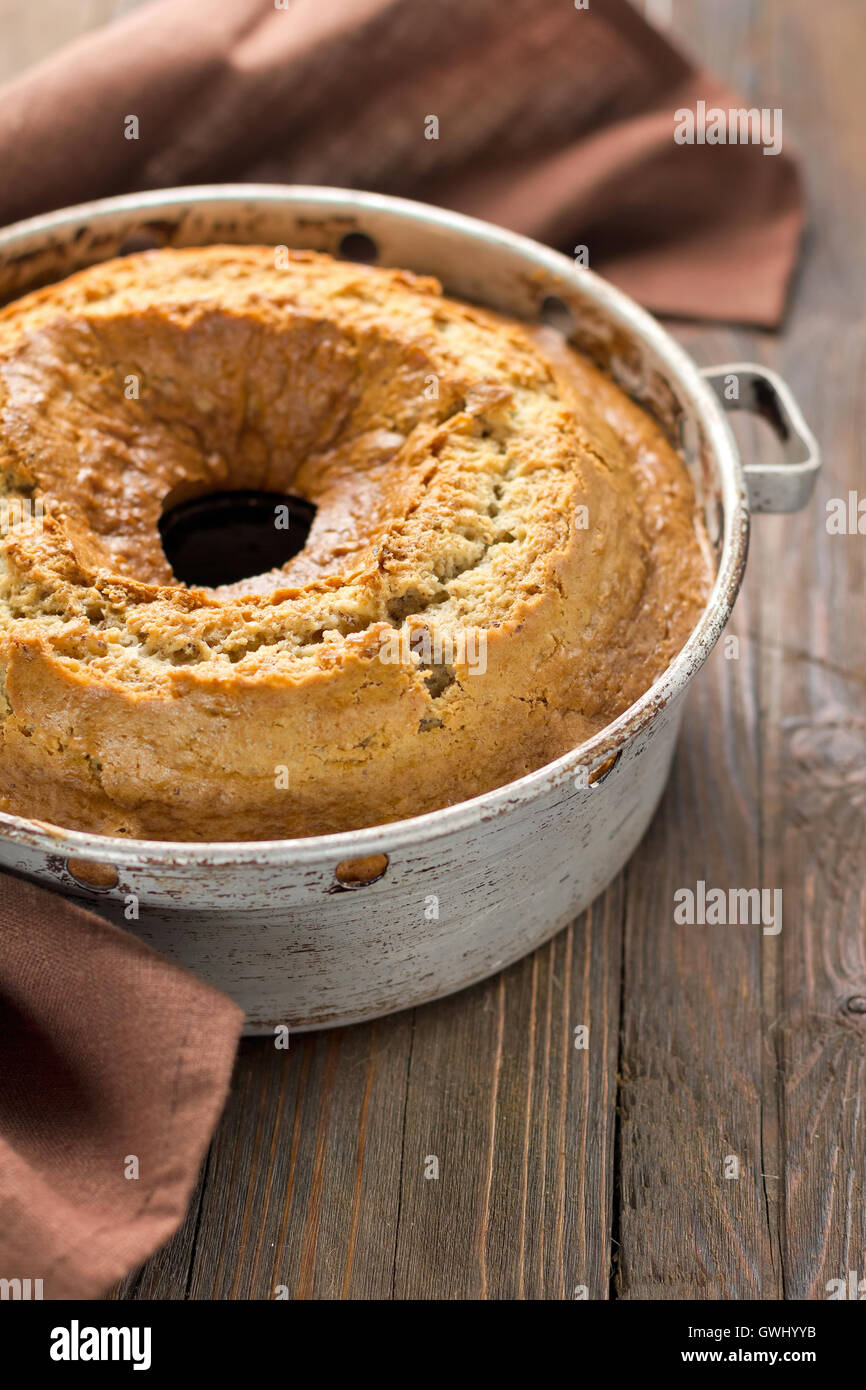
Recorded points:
461,892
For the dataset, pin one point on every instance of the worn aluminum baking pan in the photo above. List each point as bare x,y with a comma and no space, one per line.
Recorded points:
290,928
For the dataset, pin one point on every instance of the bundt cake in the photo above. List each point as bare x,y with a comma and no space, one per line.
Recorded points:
504,553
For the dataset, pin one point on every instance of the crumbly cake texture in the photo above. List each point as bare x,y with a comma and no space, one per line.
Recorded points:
504,556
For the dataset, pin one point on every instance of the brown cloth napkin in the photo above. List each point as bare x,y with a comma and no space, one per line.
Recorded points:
114,1066
555,121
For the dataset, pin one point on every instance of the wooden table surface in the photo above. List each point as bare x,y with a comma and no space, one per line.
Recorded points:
566,1173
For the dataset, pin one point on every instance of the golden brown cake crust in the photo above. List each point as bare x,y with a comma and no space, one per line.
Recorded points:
503,559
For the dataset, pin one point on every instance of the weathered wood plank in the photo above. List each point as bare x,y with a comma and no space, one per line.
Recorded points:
696,1100
522,1123
691,1065
814,668
303,1182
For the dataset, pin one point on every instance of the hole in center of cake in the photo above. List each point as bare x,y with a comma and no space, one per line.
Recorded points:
225,537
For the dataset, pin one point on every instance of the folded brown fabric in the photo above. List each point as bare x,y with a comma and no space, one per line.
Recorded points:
554,120
114,1065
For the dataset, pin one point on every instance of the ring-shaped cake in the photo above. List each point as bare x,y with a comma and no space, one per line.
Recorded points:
504,555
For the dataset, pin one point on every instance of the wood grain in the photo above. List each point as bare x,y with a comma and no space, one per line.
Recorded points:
815,678
697,1101
524,1132
563,1171
691,1066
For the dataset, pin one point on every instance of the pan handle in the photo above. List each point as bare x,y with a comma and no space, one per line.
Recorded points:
773,487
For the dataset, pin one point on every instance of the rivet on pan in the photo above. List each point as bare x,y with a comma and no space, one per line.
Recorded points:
357,246
593,777
602,772
690,437
555,313
90,874
140,240
360,873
